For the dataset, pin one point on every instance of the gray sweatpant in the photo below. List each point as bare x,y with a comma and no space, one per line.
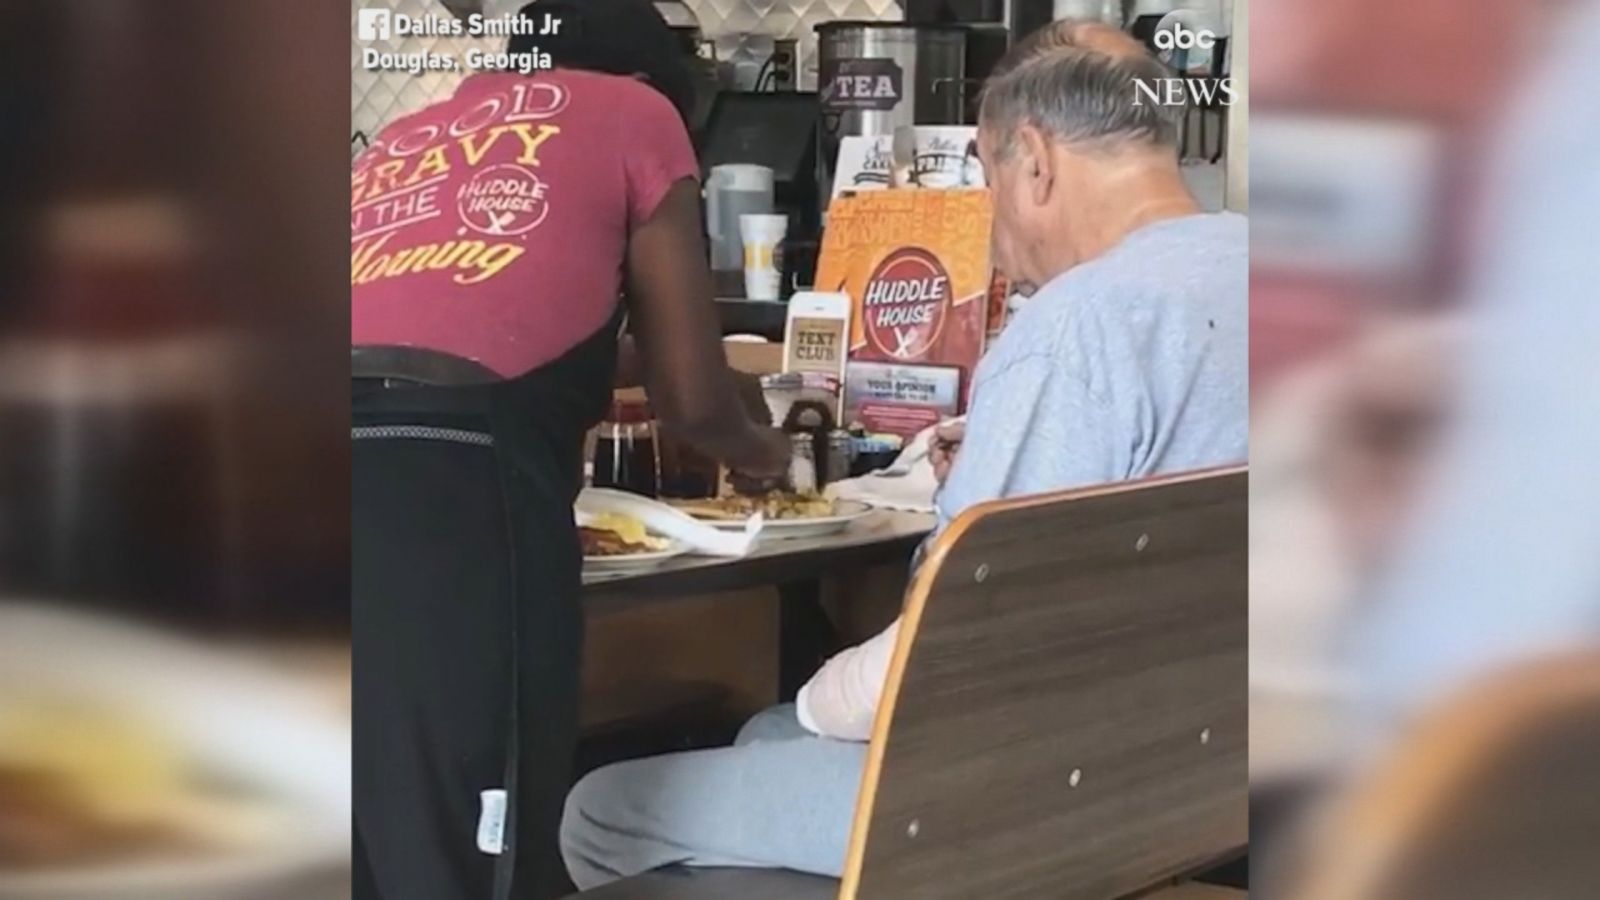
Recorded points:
780,797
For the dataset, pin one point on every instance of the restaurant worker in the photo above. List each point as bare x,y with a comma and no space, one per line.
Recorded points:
1129,360
492,234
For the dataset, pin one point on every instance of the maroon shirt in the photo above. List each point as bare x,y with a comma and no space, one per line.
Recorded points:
494,225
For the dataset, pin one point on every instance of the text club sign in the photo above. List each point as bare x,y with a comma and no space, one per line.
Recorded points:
905,303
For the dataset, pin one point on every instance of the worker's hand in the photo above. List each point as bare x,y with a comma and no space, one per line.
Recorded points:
767,466
752,397
944,446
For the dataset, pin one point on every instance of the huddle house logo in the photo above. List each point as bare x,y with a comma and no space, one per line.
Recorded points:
904,303
372,24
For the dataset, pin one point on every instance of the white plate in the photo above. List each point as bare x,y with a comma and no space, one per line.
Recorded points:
846,512
275,733
634,561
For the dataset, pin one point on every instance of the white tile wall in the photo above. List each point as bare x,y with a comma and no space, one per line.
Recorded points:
743,31
377,97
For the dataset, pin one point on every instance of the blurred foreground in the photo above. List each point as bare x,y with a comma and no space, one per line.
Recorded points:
1425,597
174,525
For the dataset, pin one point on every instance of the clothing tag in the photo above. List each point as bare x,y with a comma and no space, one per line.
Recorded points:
492,822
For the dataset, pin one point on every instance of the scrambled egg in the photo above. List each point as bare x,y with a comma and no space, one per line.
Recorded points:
629,529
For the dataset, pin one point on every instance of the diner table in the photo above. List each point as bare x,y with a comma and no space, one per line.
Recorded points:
795,567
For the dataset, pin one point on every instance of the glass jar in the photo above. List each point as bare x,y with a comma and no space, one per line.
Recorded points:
870,453
686,473
803,465
625,453
840,454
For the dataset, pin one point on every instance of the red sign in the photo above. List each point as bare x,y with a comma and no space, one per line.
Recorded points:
904,303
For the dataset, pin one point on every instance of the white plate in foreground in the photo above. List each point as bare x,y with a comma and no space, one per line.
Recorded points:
634,561
845,514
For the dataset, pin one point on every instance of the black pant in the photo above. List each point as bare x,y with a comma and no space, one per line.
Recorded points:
466,580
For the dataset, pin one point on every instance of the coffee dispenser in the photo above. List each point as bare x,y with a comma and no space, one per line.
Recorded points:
876,76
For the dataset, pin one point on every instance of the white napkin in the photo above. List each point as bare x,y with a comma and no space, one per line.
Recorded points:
666,520
907,484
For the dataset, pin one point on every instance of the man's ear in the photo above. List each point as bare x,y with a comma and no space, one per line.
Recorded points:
1038,163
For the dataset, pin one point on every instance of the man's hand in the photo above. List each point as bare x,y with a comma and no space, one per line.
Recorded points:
944,446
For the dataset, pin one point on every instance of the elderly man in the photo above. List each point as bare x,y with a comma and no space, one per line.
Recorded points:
1128,360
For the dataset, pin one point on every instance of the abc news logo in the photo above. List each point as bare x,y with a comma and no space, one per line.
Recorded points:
1181,38
1184,90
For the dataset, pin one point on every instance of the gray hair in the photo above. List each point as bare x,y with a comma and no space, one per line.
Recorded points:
1080,96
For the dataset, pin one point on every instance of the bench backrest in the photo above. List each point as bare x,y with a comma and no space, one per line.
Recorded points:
1066,715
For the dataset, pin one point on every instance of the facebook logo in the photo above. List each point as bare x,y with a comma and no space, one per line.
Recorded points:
372,24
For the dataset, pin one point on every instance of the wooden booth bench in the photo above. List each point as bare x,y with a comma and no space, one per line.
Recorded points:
1066,713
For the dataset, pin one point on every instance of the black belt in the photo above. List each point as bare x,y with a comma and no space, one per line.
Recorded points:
419,366
420,381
